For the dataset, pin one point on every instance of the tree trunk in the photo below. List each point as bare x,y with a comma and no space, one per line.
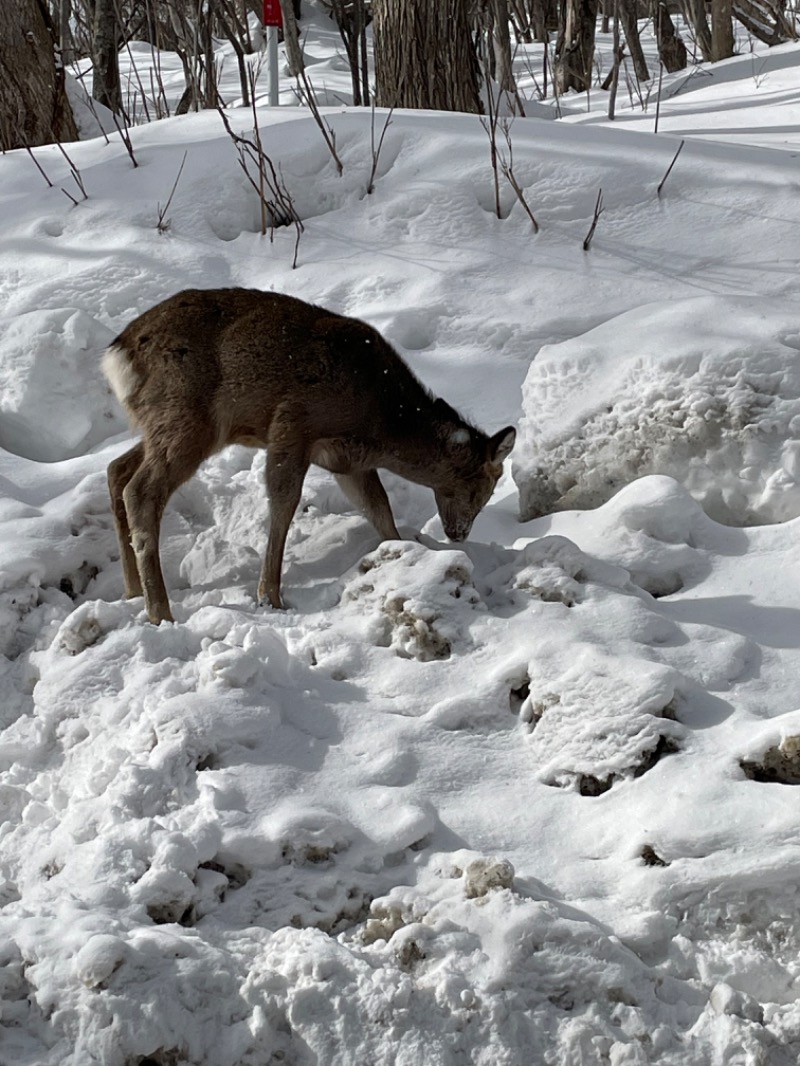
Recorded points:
424,55
671,49
105,41
501,44
721,29
629,17
291,39
575,45
612,96
765,19
351,18
33,102
695,11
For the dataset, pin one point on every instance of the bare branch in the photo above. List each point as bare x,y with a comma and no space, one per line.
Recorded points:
163,222
669,168
376,152
598,210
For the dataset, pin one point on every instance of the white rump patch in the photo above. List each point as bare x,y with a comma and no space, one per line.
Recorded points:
118,370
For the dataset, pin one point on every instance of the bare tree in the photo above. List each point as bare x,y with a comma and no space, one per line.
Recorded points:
765,19
291,37
671,49
351,19
495,18
695,13
106,39
424,55
629,17
575,45
721,29
33,102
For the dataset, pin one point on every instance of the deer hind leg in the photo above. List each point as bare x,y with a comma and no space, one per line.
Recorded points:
365,490
286,471
158,475
120,472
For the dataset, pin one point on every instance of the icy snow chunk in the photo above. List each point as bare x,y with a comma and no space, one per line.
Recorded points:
418,600
596,717
774,754
100,957
483,876
727,1000
55,403
555,570
706,390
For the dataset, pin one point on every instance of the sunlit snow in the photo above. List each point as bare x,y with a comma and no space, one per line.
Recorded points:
529,799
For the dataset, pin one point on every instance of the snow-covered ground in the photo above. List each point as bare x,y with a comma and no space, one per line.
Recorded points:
529,799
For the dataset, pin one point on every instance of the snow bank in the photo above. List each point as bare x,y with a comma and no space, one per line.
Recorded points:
53,405
706,390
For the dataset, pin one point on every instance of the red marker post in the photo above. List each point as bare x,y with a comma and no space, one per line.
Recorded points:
273,20
272,13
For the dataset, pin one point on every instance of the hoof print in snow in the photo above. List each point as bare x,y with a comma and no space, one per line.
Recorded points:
588,785
171,1057
209,761
649,758
650,857
483,876
310,854
658,584
518,694
174,912
531,710
780,763
74,585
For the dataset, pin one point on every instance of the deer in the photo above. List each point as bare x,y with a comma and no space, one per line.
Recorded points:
208,368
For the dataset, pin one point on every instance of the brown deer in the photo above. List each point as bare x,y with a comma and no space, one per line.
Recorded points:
208,368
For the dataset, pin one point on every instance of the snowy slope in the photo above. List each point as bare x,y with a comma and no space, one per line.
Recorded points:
530,799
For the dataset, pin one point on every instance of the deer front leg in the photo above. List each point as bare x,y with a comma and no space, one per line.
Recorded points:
366,491
286,471
120,472
145,498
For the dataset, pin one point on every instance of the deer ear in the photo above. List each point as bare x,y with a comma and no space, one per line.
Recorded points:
501,444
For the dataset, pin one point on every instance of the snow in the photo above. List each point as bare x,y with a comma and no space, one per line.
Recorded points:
531,798
718,409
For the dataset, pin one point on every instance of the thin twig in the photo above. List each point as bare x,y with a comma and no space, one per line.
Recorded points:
309,98
76,175
507,166
125,134
669,168
376,152
39,166
163,224
598,210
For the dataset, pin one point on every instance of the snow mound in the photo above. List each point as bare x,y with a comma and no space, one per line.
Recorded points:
706,390
54,404
414,598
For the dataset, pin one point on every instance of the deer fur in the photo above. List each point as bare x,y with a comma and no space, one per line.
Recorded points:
209,368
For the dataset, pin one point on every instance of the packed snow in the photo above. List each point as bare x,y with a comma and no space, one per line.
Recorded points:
527,799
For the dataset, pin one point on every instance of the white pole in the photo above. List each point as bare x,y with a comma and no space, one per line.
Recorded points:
272,64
